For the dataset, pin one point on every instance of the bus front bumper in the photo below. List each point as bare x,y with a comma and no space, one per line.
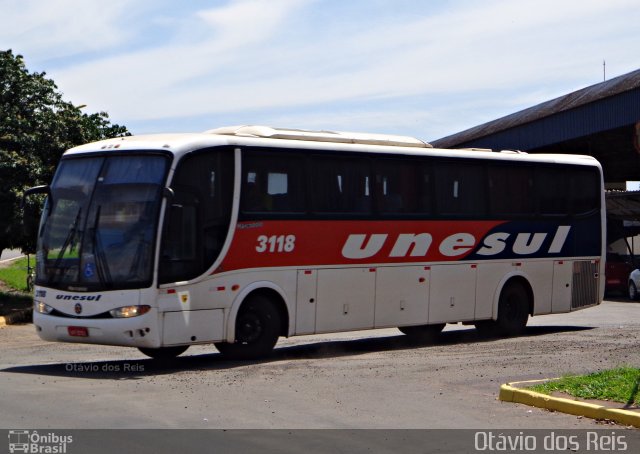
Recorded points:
141,331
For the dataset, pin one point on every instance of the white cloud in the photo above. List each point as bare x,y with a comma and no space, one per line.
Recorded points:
60,28
255,56
168,80
249,21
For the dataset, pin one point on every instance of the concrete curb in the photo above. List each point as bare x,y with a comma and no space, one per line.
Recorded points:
510,393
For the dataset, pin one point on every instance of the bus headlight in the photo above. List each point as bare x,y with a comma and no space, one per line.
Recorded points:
129,311
42,308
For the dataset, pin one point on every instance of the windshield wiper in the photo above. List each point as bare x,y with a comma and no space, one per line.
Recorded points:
102,267
67,241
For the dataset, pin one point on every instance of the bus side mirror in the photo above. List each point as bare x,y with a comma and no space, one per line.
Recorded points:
44,189
31,216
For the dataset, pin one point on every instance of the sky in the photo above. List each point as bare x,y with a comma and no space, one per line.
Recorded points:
421,68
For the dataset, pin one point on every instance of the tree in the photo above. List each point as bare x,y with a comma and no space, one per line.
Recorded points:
36,127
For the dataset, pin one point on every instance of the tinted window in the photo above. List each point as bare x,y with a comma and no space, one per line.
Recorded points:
272,183
461,188
511,190
341,185
198,215
553,190
403,186
585,190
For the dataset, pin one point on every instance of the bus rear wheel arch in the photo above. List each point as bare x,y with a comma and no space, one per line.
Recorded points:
259,323
514,307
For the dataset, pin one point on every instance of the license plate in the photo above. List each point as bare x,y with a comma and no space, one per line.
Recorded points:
78,331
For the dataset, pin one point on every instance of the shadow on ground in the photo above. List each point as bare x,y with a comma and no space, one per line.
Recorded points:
138,368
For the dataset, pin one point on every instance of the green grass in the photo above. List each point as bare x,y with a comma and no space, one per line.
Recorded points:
15,275
617,385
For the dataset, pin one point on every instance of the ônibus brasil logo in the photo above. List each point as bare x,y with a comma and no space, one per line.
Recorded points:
30,441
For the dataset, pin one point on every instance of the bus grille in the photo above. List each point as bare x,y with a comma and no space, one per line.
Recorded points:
584,289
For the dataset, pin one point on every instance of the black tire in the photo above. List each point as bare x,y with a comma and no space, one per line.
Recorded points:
633,291
422,333
513,310
258,327
164,353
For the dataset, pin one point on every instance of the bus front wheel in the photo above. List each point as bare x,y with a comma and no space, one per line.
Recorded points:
164,353
257,330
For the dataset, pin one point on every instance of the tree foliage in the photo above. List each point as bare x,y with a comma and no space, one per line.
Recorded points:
36,126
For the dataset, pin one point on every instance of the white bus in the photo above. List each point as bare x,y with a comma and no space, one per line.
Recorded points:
239,235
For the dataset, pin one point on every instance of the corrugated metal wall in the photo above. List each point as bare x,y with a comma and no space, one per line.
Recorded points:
602,115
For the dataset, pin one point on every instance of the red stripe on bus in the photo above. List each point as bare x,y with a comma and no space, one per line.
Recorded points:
266,244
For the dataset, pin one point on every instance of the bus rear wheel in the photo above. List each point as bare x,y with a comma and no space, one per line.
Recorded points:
513,310
422,333
258,327
513,313
164,353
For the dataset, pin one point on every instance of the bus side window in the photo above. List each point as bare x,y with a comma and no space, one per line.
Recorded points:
585,190
179,251
425,190
553,191
511,190
272,184
254,196
461,189
181,229
341,186
398,187
197,218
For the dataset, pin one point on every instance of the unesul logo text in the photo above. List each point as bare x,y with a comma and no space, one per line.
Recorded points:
79,297
361,246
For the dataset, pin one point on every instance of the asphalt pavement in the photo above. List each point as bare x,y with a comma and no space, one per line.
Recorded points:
9,254
360,380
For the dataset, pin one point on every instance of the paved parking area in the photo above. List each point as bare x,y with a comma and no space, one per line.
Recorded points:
366,379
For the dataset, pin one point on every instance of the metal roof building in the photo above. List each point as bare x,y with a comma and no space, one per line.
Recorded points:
602,120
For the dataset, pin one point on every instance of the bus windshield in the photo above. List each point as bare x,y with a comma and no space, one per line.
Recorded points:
99,226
